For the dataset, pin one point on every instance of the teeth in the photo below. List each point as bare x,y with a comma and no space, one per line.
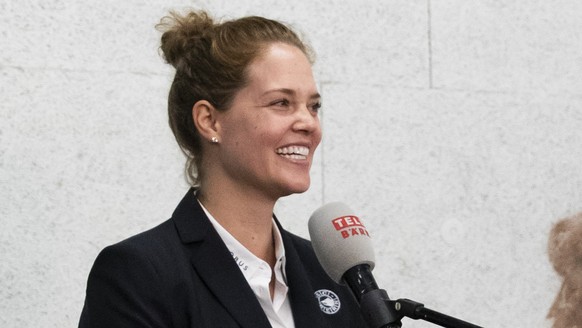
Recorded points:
296,152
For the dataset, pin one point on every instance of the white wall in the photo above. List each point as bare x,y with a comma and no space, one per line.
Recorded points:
453,127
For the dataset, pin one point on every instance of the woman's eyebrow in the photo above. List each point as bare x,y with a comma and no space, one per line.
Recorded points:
290,92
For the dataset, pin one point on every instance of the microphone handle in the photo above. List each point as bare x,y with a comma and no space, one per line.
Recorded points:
374,302
360,280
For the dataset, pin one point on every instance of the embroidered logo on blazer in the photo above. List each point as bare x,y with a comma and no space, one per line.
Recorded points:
329,303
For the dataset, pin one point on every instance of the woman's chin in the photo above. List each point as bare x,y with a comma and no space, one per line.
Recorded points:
296,188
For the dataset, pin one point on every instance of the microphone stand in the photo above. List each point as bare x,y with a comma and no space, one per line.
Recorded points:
398,309
381,312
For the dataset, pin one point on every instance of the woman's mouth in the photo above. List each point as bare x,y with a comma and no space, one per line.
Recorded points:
293,152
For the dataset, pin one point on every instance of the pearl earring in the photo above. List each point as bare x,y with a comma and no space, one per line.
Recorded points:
214,140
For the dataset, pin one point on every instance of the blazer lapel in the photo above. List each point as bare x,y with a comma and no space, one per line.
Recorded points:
305,308
214,264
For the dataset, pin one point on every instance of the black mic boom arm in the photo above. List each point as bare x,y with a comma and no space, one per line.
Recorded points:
388,313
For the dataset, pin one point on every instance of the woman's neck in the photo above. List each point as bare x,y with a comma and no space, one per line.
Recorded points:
247,217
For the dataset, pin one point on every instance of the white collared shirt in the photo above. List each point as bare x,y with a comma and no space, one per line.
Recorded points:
258,275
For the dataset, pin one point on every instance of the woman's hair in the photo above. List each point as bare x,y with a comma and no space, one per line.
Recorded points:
211,60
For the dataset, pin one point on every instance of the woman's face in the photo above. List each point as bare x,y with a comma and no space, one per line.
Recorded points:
269,135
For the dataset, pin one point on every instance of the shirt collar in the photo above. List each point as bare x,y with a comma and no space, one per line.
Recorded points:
248,263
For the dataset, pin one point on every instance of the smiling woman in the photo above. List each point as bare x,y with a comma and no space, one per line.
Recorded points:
243,107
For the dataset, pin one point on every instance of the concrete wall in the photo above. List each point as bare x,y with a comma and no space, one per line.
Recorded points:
452,127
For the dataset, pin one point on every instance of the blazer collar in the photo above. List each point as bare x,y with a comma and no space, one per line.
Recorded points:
214,264
190,220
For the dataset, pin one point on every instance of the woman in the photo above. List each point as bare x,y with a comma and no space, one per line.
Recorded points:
244,109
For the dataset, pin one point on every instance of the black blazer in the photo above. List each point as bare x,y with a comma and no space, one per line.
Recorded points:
180,274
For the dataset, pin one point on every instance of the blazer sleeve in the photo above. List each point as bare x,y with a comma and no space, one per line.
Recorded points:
124,290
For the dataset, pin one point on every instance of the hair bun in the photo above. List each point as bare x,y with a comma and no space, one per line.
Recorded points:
181,33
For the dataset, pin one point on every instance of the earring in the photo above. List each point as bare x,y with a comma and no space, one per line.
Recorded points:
214,140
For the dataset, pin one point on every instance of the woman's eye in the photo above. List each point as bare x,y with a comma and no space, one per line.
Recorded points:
280,103
316,107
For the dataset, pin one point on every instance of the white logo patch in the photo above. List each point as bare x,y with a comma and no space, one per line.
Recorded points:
329,303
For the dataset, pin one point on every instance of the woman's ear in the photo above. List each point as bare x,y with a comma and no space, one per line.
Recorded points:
205,115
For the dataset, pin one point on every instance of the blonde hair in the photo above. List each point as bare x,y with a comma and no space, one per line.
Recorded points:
211,60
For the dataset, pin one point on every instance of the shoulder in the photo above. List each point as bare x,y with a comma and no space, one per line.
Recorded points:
150,254
157,238
140,248
142,243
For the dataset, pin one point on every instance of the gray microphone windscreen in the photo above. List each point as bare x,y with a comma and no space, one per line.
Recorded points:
339,239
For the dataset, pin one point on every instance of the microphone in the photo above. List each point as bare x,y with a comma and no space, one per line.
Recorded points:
340,240
344,248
